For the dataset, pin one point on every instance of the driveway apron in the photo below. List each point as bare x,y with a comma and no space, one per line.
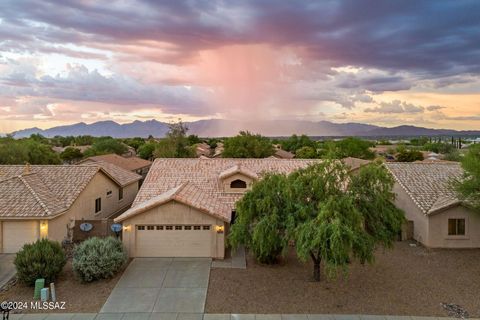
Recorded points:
161,285
7,268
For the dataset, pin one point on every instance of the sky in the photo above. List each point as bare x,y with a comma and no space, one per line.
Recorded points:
385,63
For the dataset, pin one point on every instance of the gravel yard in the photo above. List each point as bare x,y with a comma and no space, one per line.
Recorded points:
78,297
403,281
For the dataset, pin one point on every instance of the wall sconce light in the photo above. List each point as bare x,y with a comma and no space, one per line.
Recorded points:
219,229
127,228
43,229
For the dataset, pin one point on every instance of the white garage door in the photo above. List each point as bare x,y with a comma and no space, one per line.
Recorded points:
173,241
18,233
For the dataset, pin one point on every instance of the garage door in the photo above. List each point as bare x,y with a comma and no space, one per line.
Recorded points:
173,241
16,234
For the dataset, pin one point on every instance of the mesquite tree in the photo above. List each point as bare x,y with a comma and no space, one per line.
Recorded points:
332,214
262,219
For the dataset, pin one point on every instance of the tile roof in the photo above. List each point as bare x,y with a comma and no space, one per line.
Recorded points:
130,163
355,163
120,176
47,190
428,184
283,154
185,193
203,176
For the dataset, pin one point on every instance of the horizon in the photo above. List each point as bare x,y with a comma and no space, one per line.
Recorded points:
392,64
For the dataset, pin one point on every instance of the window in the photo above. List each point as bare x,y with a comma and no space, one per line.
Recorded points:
238,184
206,227
120,194
196,227
109,193
169,228
150,227
98,205
140,227
456,227
178,227
159,227
188,228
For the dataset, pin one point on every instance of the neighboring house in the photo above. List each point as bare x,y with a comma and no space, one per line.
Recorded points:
436,217
203,149
355,163
217,152
282,154
44,200
185,206
134,164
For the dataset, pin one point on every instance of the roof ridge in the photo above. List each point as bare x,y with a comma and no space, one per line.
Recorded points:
35,195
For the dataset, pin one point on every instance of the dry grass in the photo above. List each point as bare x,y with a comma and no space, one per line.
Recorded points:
78,297
403,281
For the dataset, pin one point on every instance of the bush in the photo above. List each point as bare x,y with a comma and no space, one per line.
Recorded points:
98,258
42,259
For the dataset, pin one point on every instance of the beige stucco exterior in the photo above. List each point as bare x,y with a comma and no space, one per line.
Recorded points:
432,230
174,213
55,228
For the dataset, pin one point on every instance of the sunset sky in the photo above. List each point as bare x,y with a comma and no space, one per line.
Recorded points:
379,62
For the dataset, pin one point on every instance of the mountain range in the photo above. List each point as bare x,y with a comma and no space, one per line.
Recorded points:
224,128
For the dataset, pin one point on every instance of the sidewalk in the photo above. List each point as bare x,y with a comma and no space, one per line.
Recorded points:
200,316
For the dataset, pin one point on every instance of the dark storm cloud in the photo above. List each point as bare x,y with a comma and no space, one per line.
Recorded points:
431,38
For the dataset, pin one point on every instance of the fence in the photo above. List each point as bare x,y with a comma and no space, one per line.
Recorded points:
101,229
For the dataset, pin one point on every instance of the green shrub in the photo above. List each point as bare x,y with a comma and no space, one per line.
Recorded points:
98,258
42,259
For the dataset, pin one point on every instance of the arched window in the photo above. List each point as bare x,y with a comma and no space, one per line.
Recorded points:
238,184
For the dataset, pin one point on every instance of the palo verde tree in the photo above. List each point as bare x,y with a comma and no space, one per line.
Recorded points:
332,215
468,188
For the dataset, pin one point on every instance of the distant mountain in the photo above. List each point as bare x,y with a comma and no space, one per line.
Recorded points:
223,128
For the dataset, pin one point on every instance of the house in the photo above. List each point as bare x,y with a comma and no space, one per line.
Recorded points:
203,149
134,164
185,206
355,163
436,217
282,154
44,200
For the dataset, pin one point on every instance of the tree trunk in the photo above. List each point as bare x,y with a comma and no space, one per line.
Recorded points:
316,266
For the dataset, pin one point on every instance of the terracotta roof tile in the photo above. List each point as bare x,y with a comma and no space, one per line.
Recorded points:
130,163
427,184
203,177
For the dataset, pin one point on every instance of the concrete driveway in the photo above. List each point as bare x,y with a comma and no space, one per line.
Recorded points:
7,268
166,286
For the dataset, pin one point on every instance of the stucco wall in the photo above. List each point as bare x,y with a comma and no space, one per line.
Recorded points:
174,213
413,213
84,205
438,225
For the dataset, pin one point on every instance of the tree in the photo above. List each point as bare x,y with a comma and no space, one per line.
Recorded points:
295,142
106,145
247,145
145,151
409,155
135,143
354,147
175,144
306,153
71,154
26,150
468,188
332,215
262,219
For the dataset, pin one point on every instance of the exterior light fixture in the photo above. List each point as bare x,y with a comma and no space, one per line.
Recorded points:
43,229
127,228
219,229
